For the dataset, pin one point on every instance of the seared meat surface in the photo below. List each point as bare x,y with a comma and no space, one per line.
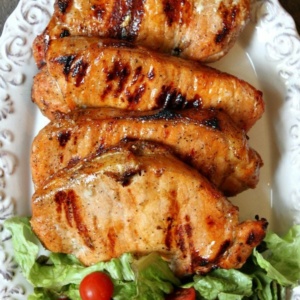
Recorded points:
90,72
139,198
196,29
207,139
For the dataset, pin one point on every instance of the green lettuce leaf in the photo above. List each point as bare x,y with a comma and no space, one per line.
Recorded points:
60,274
265,275
282,256
223,284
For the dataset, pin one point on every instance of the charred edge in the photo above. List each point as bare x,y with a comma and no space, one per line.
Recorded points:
79,72
263,221
67,201
170,97
63,138
213,123
163,114
64,33
228,17
125,178
99,11
199,261
63,5
119,72
265,224
196,102
126,18
66,61
118,44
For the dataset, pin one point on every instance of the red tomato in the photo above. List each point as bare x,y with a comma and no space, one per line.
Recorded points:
96,286
182,294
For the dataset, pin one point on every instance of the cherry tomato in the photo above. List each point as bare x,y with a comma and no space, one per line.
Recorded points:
96,286
182,294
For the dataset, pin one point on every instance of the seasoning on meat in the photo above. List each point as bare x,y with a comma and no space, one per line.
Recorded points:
202,30
165,207
207,139
92,72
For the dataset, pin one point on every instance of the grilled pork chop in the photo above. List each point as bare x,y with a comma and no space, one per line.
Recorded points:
139,198
90,72
196,29
207,139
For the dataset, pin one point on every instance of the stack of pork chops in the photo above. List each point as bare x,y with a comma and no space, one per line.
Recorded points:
145,141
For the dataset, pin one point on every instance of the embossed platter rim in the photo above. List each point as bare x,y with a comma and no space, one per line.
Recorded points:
269,50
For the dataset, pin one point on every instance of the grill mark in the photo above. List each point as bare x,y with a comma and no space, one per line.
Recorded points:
176,11
189,232
210,221
63,5
151,74
223,248
126,18
119,73
79,71
66,61
170,97
196,102
137,75
171,234
63,137
228,16
164,114
198,261
64,33
180,239
135,97
137,17
176,51
67,201
252,239
98,11
73,161
111,236
125,178
117,44
213,123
